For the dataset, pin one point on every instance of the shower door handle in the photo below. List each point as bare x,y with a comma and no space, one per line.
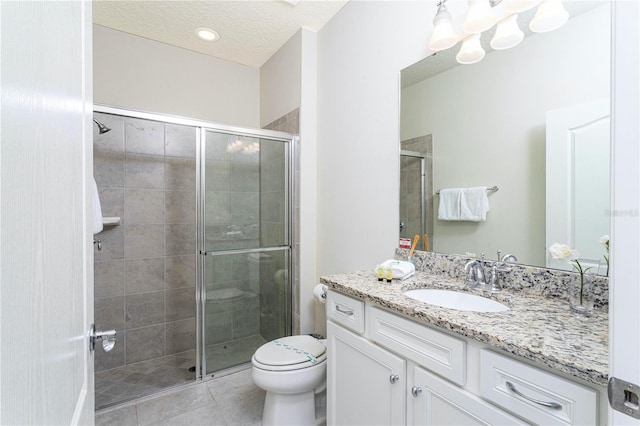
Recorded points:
108,339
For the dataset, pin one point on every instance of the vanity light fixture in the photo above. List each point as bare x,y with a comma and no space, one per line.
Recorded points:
550,15
471,50
479,17
508,34
207,34
518,6
443,35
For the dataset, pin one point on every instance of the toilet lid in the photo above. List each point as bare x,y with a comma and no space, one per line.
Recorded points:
290,350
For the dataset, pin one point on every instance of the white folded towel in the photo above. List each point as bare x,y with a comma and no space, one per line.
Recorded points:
449,208
474,204
464,204
400,269
97,209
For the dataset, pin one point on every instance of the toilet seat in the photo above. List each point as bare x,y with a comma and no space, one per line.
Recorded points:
290,353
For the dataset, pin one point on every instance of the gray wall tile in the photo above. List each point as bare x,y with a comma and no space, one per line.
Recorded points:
180,239
181,336
144,275
180,173
108,169
108,279
144,171
181,304
218,328
218,175
218,207
180,207
144,343
144,136
144,206
144,309
112,239
180,271
109,313
245,207
144,241
180,141
112,201
245,177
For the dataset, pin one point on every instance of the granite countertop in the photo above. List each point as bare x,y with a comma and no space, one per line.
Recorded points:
538,328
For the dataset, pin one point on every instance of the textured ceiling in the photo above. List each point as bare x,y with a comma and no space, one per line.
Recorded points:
250,31
446,59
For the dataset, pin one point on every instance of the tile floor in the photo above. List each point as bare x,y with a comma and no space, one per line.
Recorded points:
132,381
228,400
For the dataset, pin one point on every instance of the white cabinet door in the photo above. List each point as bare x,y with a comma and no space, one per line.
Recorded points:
439,402
365,383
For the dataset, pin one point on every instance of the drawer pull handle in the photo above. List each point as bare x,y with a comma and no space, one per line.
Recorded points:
553,405
416,391
343,311
393,378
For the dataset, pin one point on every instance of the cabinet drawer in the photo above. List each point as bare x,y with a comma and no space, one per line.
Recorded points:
346,311
443,354
530,392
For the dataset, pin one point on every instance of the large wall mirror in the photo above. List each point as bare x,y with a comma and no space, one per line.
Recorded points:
532,120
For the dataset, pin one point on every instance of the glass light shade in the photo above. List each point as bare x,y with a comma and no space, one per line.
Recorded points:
479,17
550,15
471,50
443,36
508,34
517,6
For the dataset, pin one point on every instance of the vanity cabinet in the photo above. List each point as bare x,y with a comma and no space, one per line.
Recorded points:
384,368
367,382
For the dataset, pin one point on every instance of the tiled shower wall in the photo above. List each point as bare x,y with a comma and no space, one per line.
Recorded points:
145,274
290,123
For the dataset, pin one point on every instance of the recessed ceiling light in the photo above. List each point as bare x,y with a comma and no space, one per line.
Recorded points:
207,34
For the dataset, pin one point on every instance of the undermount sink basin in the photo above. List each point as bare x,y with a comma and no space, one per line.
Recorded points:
456,300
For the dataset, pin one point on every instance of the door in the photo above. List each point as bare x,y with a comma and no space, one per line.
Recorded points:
624,337
367,385
435,401
245,205
577,193
46,272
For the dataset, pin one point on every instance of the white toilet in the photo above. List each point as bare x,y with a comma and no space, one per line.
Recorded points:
292,370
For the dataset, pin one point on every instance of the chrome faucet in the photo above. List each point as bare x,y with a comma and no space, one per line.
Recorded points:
475,273
499,266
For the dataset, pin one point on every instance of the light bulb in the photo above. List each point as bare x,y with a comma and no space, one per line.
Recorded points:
550,15
471,50
479,17
508,34
443,36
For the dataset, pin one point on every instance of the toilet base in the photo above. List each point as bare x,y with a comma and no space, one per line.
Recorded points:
289,409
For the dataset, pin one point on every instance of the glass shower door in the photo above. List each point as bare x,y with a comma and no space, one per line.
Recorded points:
245,268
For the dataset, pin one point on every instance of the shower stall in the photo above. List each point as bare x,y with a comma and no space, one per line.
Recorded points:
197,272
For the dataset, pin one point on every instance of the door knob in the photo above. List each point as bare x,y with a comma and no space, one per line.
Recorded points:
108,338
416,391
394,378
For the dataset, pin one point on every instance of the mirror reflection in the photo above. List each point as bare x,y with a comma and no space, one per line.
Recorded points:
533,121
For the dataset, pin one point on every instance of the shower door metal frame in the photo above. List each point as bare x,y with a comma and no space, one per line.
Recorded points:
201,291
201,128
423,171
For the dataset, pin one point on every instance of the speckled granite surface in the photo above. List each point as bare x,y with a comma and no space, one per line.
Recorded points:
536,327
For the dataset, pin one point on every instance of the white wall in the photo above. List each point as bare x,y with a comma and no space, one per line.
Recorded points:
360,53
136,73
280,81
488,126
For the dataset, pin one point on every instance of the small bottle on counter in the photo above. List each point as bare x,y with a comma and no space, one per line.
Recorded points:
380,272
388,273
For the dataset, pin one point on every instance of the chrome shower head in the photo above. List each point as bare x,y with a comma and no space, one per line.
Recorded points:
101,127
